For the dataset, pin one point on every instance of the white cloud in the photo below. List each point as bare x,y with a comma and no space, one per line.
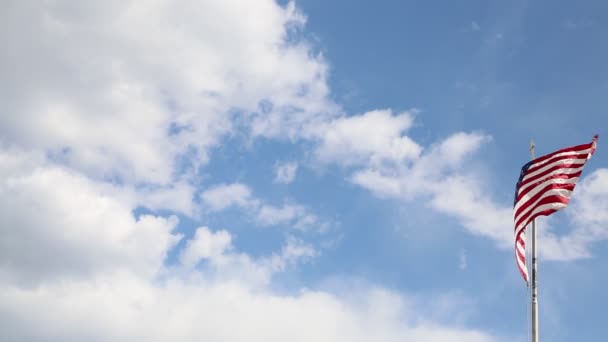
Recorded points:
122,89
205,245
57,223
383,186
214,255
444,177
176,197
373,138
124,308
271,215
437,176
588,219
590,205
103,272
285,173
296,215
293,251
108,106
392,165
465,198
222,196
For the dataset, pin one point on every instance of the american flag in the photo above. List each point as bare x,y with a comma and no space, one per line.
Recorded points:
545,185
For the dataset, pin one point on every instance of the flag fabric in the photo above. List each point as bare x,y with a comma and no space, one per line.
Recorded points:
545,185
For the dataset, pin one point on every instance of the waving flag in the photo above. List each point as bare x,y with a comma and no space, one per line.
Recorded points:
544,187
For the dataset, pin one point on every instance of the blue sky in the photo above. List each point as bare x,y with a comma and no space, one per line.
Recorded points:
347,169
514,70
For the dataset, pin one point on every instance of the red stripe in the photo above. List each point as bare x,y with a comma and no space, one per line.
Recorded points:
553,160
550,186
546,200
522,272
567,149
549,170
521,257
545,212
518,238
553,177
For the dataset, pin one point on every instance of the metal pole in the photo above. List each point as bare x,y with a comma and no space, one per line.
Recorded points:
534,268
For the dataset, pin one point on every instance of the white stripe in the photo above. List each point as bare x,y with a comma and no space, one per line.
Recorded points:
540,187
521,263
521,248
567,171
555,205
522,267
562,192
555,163
587,151
523,235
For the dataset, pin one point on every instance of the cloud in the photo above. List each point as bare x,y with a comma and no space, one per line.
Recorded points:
124,89
111,106
205,245
285,173
442,177
125,308
374,146
56,223
466,199
104,273
296,215
588,218
381,185
294,251
214,254
271,215
384,160
176,197
222,196
373,138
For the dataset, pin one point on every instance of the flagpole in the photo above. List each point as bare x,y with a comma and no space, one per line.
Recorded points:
534,266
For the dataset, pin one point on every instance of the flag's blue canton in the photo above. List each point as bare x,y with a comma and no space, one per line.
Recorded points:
523,172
